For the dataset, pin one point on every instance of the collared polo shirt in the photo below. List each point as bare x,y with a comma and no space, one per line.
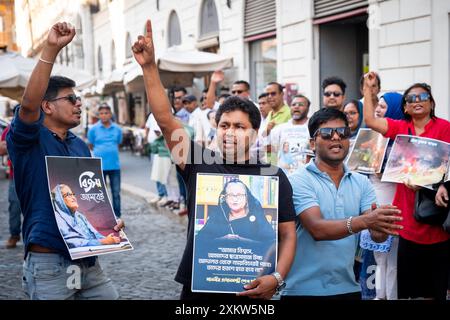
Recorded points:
28,144
106,142
283,115
323,268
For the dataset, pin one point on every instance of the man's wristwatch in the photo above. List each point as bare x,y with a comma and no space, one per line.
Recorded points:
280,280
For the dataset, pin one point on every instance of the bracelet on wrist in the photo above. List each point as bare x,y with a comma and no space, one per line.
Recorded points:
349,225
45,61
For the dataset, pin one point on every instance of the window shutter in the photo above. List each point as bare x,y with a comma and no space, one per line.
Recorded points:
260,17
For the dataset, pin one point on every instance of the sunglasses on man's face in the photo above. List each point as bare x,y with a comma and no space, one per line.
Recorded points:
73,98
411,98
236,92
327,133
334,93
272,94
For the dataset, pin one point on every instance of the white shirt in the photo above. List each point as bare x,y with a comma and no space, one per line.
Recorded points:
153,126
297,138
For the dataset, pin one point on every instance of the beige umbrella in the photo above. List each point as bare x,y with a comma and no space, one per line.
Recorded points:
16,70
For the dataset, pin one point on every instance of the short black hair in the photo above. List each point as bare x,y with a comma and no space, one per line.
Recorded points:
334,80
104,105
245,83
209,113
56,83
303,97
236,103
322,116
176,89
361,81
224,95
425,87
262,95
280,87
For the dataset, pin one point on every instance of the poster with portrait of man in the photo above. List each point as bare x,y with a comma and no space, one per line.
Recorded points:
236,227
82,207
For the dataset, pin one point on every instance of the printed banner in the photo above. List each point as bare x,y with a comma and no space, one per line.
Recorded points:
82,207
418,161
236,227
367,153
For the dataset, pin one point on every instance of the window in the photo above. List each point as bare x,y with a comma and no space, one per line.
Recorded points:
209,26
263,64
174,30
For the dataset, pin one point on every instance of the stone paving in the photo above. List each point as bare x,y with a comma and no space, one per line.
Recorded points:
147,272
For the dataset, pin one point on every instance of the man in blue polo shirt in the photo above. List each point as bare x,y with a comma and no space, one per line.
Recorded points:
41,127
333,205
104,138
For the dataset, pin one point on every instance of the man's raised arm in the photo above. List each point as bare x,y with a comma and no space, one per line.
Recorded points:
58,37
176,137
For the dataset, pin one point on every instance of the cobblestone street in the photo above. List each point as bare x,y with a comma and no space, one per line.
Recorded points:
147,272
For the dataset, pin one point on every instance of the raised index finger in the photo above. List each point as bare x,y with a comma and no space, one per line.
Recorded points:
148,29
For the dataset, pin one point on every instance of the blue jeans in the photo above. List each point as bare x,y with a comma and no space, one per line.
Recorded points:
114,182
182,186
51,276
162,191
15,222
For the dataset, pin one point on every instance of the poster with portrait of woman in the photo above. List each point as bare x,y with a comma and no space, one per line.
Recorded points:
236,227
82,207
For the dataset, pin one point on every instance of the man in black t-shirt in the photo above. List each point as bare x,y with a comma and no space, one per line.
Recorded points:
238,121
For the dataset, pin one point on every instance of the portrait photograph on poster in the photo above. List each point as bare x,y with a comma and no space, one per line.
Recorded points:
367,153
236,227
418,161
82,207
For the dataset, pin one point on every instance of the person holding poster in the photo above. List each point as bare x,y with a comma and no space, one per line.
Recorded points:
333,204
423,249
41,126
237,121
74,226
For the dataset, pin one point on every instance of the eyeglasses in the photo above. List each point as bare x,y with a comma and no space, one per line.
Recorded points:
334,93
68,194
73,98
298,104
411,98
327,133
238,197
236,91
272,94
351,113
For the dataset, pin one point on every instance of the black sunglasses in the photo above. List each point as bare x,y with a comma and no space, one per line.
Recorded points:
327,133
334,93
73,98
237,91
411,98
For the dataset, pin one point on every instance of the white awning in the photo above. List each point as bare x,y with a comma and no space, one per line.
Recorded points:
16,71
193,61
178,67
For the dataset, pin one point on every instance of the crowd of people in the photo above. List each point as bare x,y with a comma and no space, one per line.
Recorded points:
334,225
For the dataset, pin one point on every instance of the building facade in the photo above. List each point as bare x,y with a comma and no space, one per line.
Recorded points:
7,25
295,42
